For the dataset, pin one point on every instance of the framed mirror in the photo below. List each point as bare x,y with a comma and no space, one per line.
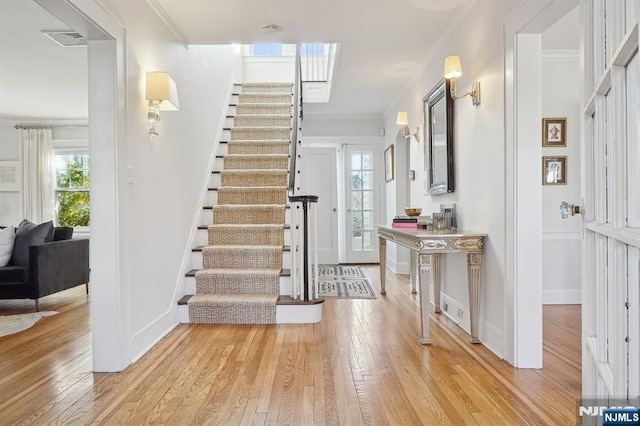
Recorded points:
438,141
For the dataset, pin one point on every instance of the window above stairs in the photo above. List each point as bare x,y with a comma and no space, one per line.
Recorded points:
318,62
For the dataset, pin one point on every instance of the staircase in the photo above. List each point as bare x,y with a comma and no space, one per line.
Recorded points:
244,259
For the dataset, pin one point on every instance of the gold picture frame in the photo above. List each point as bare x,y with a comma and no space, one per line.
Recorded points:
388,164
554,170
554,132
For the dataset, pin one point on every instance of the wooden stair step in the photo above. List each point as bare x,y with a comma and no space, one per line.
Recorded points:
282,300
283,273
198,249
287,206
206,227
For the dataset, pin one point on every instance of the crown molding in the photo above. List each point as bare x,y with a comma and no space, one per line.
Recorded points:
168,22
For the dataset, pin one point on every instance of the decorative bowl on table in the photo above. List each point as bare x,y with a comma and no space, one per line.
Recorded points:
413,211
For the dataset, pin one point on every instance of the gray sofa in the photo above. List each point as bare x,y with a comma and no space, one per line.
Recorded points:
45,267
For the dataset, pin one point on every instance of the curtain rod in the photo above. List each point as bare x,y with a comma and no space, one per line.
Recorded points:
33,126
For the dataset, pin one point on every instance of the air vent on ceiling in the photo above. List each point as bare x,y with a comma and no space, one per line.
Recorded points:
66,38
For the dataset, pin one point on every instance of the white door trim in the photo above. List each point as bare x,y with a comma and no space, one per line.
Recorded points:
521,350
110,310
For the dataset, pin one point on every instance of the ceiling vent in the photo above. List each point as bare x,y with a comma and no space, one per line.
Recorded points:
66,38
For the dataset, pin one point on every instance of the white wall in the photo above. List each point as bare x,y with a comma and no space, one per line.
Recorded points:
9,200
561,239
478,156
269,69
166,174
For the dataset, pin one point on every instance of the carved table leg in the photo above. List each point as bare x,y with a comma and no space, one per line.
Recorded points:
413,275
437,279
382,244
474,274
424,264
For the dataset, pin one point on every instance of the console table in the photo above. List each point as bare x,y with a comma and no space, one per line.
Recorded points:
427,248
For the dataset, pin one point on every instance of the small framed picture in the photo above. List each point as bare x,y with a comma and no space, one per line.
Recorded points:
388,164
554,170
554,132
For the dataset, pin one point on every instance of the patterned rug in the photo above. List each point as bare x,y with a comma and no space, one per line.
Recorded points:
11,324
344,282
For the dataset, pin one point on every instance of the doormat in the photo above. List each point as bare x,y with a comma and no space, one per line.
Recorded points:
10,324
340,271
343,282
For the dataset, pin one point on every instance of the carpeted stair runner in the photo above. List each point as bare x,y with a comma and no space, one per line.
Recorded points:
240,279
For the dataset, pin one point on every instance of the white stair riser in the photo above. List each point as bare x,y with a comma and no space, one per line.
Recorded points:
212,198
285,314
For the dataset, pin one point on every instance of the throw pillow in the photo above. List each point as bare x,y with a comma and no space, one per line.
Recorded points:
62,233
29,234
7,238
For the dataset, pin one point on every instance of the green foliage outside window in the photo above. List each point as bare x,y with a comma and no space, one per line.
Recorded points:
72,194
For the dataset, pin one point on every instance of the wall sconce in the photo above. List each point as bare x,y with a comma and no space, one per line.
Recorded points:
162,96
453,70
403,120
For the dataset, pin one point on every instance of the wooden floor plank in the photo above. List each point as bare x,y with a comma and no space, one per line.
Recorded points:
363,364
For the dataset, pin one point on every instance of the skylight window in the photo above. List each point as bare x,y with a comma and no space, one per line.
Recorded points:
267,49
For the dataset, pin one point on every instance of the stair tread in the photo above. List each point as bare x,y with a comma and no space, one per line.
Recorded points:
257,127
287,206
198,249
247,271
243,225
206,227
235,297
283,273
247,188
282,300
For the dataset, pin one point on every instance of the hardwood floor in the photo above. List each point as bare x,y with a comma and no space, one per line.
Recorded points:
363,364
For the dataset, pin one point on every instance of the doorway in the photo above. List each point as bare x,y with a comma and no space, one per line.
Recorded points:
320,177
107,124
361,201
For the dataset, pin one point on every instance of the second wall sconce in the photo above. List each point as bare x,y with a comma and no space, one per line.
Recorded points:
453,70
403,120
162,95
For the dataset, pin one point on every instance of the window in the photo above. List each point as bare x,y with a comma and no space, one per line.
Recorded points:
267,49
71,188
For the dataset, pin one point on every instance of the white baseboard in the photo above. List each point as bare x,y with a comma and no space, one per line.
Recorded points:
490,336
561,297
398,268
145,339
455,311
299,314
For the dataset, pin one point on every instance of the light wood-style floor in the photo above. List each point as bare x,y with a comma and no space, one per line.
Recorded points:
363,364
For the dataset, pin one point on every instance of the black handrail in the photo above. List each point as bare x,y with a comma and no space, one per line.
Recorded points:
297,121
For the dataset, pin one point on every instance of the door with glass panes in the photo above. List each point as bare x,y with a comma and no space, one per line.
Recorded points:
361,193
611,202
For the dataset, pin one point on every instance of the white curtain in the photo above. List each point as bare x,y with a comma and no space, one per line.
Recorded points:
36,156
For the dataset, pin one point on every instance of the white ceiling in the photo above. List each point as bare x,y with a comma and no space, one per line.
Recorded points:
38,78
384,45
